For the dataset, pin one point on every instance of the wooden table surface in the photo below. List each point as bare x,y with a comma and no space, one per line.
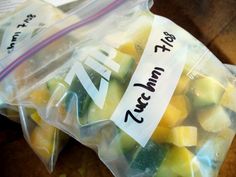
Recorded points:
211,21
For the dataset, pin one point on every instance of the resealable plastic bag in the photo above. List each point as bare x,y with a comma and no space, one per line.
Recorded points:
18,26
146,95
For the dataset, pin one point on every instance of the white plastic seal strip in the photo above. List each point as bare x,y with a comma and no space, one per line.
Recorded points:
154,81
9,5
58,3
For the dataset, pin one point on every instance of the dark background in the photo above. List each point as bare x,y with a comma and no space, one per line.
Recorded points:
211,21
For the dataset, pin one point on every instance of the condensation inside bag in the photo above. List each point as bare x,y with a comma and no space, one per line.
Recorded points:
79,88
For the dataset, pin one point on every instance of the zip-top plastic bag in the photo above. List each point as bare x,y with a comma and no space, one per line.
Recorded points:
135,87
17,27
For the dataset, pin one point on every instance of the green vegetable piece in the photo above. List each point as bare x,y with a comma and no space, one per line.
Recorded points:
147,160
206,91
77,89
214,119
114,95
127,66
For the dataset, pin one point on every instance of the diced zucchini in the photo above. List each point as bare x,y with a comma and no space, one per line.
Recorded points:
77,91
146,160
183,136
127,66
126,142
114,95
228,99
161,134
183,84
36,118
182,161
53,84
214,119
129,48
176,112
206,91
133,40
42,141
165,171
40,96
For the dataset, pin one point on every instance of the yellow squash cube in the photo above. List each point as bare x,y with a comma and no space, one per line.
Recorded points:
36,118
176,112
161,134
129,48
228,99
182,161
214,119
183,136
40,96
42,141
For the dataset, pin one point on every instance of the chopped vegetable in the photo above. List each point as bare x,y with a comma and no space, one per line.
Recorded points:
182,161
177,111
42,141
183,136
214,119
36,118
40,96
161,134
114,95
228,99
206,91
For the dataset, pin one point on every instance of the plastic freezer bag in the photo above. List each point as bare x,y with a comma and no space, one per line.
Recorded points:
45,140
135,87
16,28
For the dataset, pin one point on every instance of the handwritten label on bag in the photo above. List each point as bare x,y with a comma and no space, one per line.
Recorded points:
25,24
153,83
17,34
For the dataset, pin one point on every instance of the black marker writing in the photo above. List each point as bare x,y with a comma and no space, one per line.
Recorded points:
142,101
166,43
17,34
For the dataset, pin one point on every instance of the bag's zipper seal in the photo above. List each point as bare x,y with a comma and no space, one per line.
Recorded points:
8,69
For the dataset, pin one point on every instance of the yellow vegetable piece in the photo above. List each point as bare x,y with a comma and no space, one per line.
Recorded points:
183,84
40,96
36,118
183,136
176,112
129,48
228,99
214,119
42,141
161,134
182,161
133,40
